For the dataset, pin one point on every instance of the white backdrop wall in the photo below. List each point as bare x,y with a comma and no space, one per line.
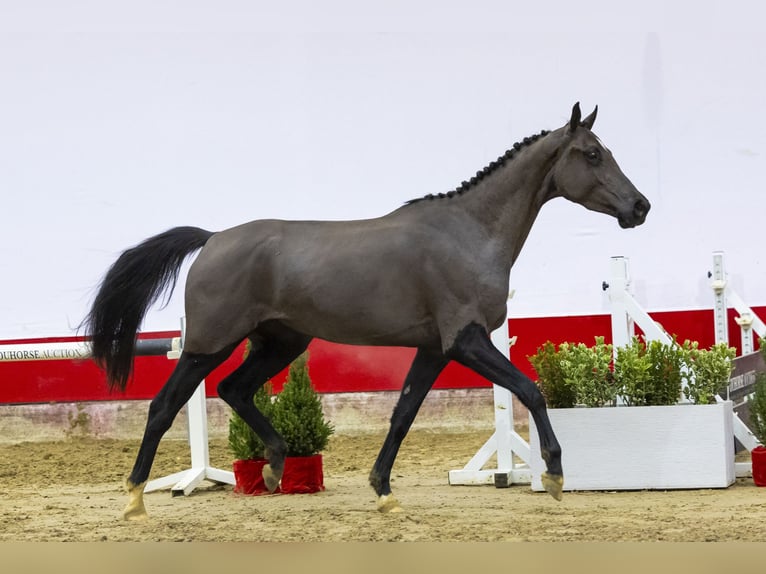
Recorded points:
119,120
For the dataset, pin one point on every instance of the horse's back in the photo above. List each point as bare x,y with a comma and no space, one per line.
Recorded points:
352,282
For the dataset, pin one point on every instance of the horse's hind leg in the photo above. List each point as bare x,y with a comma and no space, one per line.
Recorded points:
423,372
187,375
268,356
474,349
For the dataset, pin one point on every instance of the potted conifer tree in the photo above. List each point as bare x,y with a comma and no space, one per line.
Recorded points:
248,448
296,414
298,417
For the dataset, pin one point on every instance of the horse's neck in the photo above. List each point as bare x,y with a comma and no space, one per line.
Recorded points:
507,202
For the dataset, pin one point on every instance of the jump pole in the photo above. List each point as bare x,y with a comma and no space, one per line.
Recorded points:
180,483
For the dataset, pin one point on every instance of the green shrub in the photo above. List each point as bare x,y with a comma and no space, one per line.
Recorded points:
758,408
587,370
711,369
633,373
550,376
575,374
667,372
758,401
643,374
295,413
243,442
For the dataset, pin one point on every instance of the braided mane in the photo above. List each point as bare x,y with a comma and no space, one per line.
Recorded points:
482,173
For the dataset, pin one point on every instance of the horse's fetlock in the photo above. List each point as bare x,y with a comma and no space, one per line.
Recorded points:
379,483
276,454
550,453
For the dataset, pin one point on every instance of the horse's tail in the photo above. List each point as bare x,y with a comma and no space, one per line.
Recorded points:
128,289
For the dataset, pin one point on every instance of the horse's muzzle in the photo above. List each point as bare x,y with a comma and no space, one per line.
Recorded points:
637,216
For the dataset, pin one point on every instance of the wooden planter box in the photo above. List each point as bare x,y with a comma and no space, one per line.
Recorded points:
637,448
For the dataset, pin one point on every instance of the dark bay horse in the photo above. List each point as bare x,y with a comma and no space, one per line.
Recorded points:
433,275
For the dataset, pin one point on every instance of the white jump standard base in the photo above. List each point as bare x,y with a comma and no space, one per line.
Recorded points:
505,441
181,483
184,482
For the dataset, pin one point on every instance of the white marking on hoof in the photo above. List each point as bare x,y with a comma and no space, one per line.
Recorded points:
553,484
270,478
135,510
387,504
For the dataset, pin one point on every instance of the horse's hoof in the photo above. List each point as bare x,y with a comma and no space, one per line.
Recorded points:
270,478
553,484
132,512
388,504
135,510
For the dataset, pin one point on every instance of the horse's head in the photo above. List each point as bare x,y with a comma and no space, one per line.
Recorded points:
587,173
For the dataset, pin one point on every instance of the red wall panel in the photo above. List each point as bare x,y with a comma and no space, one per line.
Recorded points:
334,368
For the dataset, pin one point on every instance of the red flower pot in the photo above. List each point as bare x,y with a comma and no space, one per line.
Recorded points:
248,476
302,475
758,457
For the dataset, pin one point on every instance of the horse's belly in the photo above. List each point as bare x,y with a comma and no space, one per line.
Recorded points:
363,329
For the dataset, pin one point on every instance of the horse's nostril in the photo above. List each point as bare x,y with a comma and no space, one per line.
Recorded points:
641,208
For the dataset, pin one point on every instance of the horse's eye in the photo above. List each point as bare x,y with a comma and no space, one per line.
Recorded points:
593,155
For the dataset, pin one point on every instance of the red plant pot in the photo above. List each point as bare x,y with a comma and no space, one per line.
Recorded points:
248,476
302,475
758,458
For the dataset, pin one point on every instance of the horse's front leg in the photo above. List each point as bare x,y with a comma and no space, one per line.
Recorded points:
423,372
474,349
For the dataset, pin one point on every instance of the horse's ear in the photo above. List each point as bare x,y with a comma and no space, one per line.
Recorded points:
574,121
590,120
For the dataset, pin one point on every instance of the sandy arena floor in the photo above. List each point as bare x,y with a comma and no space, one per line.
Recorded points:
72,490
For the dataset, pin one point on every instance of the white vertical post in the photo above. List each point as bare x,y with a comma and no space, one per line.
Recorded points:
745,322
504,442
503,405
719,303
184,482
622,322
196,414
196,410
749,324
